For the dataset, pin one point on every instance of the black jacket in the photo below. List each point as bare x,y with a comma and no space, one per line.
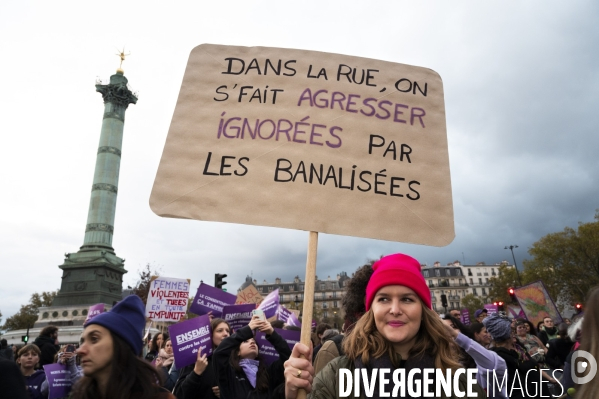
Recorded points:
559,349
198,386
234,384
516,375
48,349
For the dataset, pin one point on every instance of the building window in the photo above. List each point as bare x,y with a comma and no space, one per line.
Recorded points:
448,272
435,307
471,281
334,294
480,280
474,292
322,286
437,273
425,273
301,287
325,314
335,305
324,305
484,291
487,280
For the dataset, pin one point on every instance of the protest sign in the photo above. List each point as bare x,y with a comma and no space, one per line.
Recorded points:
59,380
189,337
248,295
268,351
238,316
211,299
536,303
310,141
491,309
270,304
292,320
465,316
515,312
167,299
93,311
282,313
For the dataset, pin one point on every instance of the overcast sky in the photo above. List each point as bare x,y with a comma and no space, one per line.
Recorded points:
521,96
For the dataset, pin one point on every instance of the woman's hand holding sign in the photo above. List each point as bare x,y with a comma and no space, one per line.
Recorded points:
201,363
299,372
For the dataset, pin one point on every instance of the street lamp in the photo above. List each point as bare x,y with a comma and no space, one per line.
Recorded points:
297,303
511,247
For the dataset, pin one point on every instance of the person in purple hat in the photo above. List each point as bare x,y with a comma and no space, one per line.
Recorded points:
480,315
110,350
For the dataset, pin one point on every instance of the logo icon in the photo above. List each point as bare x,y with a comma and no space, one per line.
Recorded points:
583,363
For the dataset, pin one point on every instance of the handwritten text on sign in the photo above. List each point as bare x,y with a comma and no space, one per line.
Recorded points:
167,299
309,141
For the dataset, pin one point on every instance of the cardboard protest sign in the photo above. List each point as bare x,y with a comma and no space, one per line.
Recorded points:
211,299
491,309
536,303
465,316
310,141
238,316
270,304
59,380
93,311
167,299
190,336
248,295
267,350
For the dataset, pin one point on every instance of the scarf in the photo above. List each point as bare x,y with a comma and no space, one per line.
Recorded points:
168,359
250,368
384,362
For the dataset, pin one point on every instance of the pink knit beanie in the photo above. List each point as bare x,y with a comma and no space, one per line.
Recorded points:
397,269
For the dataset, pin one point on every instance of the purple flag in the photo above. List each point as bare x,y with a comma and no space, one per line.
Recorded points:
93,311
190,336
292,320
238,316
491,309
211,299
268,351
283,313
270,304
465,317
59,380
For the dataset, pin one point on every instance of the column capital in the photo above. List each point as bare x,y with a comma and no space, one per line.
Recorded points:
117,91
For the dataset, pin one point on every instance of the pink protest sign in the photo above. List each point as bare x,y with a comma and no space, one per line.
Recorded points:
93,311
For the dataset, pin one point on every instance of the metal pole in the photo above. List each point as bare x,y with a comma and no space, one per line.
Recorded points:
511,248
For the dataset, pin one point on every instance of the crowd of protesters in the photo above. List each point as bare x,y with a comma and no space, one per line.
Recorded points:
389,325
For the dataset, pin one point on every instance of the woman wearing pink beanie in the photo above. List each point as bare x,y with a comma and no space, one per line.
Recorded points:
398,331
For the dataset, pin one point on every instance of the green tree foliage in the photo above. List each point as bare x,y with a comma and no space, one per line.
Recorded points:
567,261
472,303
506,278
27,315
142,288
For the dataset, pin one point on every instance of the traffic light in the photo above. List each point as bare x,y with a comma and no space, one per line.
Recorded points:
25,338
578,308
219,280
500,306
512,294
444,300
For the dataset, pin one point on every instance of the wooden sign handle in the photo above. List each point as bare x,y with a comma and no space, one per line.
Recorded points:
309,282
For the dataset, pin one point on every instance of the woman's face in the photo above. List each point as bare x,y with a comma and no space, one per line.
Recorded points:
159,340
29,359
484,338
397,314
449,323
220,332
248,349
96,351
168,347
521,330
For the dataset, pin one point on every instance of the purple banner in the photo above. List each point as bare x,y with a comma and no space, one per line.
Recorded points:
491,309
238,316
283,313
465,317
516,312
270,304
211,299
268,351
59,380
190,336
93,311
292,320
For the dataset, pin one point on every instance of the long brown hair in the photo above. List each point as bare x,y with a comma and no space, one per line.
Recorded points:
262,374
365,341
129,375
